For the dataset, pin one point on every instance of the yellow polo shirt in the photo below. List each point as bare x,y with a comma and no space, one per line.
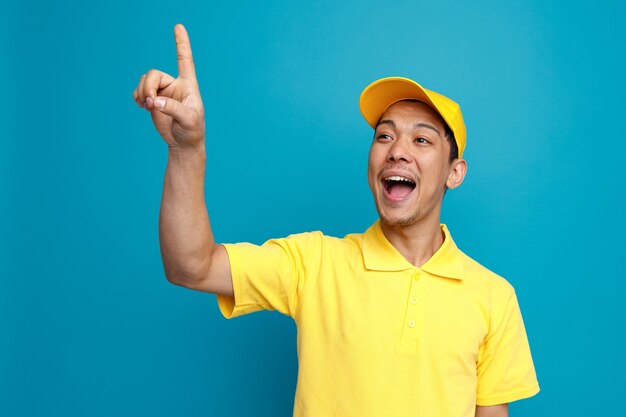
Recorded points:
380,337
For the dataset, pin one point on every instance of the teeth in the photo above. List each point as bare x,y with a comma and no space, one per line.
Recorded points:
398,178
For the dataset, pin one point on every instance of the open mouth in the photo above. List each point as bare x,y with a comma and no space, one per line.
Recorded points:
397,187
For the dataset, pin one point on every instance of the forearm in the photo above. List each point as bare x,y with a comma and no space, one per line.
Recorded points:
184,229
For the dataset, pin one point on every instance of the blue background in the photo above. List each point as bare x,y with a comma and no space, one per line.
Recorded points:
88,323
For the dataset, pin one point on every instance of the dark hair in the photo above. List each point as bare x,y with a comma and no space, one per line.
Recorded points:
454,148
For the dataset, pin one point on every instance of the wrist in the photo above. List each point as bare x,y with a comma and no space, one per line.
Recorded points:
187,156
192,151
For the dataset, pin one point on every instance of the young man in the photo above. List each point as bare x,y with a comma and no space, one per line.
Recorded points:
396,321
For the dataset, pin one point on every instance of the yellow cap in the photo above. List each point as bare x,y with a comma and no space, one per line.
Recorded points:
381,94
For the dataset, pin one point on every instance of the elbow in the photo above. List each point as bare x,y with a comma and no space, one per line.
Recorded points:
175,278
187,278
197,273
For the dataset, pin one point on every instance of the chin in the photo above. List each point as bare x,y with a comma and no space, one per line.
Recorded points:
405,220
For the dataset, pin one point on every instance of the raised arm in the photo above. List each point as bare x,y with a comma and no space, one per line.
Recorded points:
191,258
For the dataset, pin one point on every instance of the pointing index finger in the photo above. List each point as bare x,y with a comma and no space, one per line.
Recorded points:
186,68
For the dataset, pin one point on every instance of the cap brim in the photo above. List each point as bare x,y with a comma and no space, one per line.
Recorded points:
381,94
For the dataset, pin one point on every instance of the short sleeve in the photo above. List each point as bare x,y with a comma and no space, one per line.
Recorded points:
268,277
505,367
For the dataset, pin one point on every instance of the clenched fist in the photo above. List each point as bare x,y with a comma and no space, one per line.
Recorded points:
174,103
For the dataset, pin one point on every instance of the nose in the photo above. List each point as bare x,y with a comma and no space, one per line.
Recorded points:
398,152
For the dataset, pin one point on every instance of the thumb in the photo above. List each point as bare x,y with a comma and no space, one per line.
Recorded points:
182,114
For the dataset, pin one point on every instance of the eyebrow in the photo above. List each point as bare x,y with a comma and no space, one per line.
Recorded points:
415,126
427,126
387,122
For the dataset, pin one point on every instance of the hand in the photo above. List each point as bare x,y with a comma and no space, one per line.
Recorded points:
174,103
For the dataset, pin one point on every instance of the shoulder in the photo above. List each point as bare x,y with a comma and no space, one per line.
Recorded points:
482,277
496,294
319,237
318,242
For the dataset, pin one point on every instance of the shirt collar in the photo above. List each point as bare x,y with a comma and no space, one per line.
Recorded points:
380,255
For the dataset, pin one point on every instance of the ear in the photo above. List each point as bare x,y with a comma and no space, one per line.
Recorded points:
458,168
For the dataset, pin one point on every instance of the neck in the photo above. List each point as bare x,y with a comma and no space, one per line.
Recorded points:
416,242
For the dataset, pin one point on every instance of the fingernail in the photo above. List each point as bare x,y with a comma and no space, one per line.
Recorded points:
159,102
149,102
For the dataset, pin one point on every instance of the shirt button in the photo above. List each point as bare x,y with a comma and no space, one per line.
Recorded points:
411,323
413,300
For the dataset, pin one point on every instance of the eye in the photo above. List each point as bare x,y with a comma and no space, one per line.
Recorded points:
422,140
383,137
